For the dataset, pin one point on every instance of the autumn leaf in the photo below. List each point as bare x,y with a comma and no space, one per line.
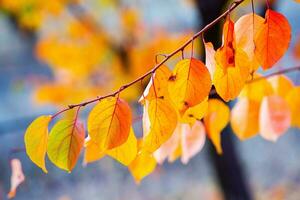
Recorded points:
157,86
143,165
65,143
293,100
244,118
192,140
245,29
274,117
194,113
109,123
215,121
127,152
189,84
273,39
257,89
167,148
210,61
232,65
159,122
17,177
281,85
124,153
36,139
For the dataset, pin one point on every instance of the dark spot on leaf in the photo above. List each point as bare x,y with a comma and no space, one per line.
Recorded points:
172,78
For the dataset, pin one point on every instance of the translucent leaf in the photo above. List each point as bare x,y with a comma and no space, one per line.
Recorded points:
274,117
17,177
273,39
36,139
161,120
109,123
244,118
65,143
215,121
189,84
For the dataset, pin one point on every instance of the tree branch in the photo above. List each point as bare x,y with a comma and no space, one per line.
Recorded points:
180,49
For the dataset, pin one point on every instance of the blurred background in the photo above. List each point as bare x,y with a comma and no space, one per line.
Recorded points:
60,52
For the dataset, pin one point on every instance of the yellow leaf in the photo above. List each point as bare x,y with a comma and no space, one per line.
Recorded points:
109,123
127,152
65,143
92,152
124,153
143,165
159,88
189,84
36,139
257,90
245,29
244,118
194,113
281,85
159,120
293,99
215,121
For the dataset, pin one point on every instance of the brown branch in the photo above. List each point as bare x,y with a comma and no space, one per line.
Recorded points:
180,49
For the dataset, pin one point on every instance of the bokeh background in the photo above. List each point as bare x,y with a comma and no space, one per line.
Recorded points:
53,53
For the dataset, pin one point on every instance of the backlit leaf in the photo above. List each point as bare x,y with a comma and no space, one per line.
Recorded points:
160,120
293,100
192,140
274,117
272,40
109,123
244,118
17,177
65,143
215,121
232,65
281,85
143,165
210,61
159,88
194,113
36,139
245,29
189,84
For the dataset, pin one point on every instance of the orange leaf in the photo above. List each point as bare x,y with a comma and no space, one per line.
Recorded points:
192,140
65,143
215,121
232,65
274,117
17,177
246,28
189,84
36,139
159,122
272,40
293,99
109,123
92,152
244,118
281,84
